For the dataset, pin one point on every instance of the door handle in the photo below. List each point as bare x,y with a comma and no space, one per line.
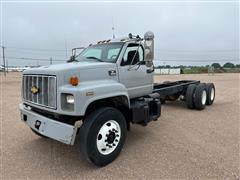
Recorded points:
112,73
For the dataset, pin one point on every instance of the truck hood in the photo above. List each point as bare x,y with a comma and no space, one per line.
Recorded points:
58,68
85,71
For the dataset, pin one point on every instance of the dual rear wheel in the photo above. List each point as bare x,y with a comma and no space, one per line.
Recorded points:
198,96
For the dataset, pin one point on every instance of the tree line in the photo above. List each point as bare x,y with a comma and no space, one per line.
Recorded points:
226,65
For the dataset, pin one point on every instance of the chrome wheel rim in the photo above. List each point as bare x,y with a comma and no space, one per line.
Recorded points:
108,137
204,97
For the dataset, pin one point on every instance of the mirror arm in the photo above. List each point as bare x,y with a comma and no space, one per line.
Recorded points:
150,70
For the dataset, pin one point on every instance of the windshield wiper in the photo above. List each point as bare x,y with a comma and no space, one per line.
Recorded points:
92,57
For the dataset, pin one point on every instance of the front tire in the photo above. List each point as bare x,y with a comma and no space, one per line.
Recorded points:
102,135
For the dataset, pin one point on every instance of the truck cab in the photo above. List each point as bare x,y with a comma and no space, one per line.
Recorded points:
128,57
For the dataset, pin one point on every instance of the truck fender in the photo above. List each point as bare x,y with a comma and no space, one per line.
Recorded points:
102,90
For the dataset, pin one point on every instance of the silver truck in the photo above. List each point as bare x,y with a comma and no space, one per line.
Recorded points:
99,93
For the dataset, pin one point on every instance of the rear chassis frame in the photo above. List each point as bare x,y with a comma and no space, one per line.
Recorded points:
172,88
148,108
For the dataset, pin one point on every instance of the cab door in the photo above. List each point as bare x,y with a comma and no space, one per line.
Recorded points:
133,71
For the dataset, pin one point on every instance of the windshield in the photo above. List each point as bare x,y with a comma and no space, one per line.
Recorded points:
101,52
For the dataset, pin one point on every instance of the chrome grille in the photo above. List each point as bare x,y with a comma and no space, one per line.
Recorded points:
46,90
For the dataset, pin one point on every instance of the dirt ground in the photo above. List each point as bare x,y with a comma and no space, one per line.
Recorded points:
182,144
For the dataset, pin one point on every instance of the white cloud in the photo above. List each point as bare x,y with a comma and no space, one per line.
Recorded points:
194,26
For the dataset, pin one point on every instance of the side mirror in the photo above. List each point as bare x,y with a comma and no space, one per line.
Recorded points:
150,70
74,54
72,59
149,48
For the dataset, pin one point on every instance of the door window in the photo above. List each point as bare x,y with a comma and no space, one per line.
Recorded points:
133,54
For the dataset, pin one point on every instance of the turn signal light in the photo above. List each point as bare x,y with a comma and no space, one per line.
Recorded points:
74,80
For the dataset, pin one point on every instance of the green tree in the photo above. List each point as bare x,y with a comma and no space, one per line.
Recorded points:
229,65
216,65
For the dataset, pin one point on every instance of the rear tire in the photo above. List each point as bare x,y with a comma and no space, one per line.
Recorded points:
200,97
210,88
190,96
102,135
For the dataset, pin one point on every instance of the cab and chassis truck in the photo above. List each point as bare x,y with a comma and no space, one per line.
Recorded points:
99,93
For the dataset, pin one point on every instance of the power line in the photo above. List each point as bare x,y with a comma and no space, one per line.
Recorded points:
164,51
189,50
168,50
198,53
36,59
163,60
197,60
35,49
37,53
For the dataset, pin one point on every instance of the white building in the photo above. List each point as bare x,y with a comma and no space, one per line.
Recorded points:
167,71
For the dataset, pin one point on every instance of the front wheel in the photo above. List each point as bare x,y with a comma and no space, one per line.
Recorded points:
102,135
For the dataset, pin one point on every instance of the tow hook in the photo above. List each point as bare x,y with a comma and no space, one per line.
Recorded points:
37,124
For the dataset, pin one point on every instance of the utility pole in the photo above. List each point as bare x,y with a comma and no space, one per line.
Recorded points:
4,65
50,60
65,46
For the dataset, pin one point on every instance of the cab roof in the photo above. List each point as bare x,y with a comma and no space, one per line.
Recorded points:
124,39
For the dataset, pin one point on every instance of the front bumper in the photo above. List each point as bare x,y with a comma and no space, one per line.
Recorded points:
59,131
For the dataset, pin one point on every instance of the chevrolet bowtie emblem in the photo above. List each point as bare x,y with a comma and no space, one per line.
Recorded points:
34,90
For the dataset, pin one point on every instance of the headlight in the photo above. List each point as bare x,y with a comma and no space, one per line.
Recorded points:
67,102
70,99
